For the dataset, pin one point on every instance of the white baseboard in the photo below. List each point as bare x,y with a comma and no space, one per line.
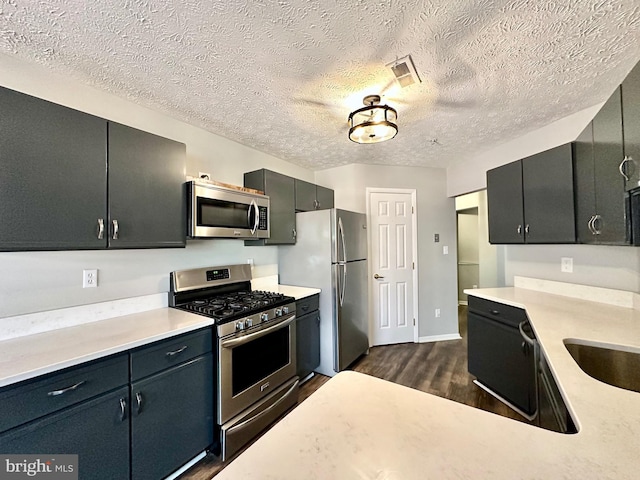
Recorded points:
439,338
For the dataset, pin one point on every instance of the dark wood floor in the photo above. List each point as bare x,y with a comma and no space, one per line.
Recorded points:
439,368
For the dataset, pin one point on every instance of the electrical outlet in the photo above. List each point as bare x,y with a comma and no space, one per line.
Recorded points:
437,313
90,278
250,261
566,264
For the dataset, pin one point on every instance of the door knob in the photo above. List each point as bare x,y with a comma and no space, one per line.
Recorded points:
376,276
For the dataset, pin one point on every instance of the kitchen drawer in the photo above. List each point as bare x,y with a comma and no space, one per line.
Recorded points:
32,399
497,311
307,305
167,353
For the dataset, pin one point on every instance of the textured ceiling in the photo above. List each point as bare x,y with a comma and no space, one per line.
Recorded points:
282,76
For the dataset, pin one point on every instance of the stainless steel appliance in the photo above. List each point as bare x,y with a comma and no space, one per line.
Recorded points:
255,345
331,254
220,212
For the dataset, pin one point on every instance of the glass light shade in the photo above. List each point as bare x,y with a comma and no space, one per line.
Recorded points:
373,124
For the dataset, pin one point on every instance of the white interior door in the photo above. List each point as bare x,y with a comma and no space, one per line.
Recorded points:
392,267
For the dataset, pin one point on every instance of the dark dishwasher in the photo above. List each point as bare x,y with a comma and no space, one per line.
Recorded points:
499,357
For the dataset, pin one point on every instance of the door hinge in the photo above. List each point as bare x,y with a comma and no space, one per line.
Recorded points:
413,265
411,209
414,322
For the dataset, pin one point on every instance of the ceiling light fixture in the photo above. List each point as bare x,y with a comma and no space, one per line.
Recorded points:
374,123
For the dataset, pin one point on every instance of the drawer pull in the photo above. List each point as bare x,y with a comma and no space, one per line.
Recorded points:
176,352
305,308
123,409
494,312
55,393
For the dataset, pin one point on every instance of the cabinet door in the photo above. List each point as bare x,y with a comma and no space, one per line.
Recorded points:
505,204
146,189
631,127
324,197
305,196
282,215
548,196
172,418
584,185
96,430
53,175
307,343
609,184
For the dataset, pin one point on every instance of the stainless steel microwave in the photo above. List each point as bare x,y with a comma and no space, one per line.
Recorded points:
220,212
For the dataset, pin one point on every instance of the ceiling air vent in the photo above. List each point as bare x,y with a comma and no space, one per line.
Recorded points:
405,71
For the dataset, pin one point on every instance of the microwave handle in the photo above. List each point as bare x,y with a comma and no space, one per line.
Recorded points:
256,216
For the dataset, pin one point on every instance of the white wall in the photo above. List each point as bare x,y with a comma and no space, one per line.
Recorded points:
38,281
436,214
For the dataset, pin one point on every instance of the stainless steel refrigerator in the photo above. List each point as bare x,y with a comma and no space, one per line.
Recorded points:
331,254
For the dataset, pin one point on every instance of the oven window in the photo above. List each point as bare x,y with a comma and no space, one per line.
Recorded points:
256,360
219,213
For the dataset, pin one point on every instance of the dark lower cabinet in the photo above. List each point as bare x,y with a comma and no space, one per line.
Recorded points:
172,418
497,354
307,335
96,430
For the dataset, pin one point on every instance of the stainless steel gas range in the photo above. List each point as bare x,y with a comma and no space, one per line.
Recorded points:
255,344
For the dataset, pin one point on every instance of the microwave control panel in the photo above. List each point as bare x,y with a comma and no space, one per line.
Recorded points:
262,221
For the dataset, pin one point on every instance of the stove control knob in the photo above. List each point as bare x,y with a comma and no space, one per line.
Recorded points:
264,317
278,312
240,325
249,323
285,310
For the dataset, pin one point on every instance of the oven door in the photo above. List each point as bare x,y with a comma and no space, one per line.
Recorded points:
218,212
252,365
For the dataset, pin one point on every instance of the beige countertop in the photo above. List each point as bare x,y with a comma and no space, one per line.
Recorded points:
360,427
32,355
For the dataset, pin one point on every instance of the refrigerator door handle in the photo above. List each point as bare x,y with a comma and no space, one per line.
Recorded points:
344,281
344,244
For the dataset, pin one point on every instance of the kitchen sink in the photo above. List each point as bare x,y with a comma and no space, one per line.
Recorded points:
609,364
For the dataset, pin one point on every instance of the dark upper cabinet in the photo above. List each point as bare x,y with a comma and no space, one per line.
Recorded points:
601,200
312,197
66,176
630,92
282,216
505,203
146,190
53,175
531,200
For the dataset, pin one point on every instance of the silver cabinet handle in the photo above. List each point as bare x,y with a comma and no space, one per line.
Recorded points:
519,229
115,229
526,228
316,204
176,352
596,230
55,393
621,167
138,403
590,224
376,276
294,234
100,228
123,409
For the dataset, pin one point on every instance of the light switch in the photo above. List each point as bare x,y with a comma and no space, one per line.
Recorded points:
445,250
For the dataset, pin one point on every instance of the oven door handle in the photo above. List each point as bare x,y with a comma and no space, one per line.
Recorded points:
234,342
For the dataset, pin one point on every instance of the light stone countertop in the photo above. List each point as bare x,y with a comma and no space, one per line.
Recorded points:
26,357
270,284
360,427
